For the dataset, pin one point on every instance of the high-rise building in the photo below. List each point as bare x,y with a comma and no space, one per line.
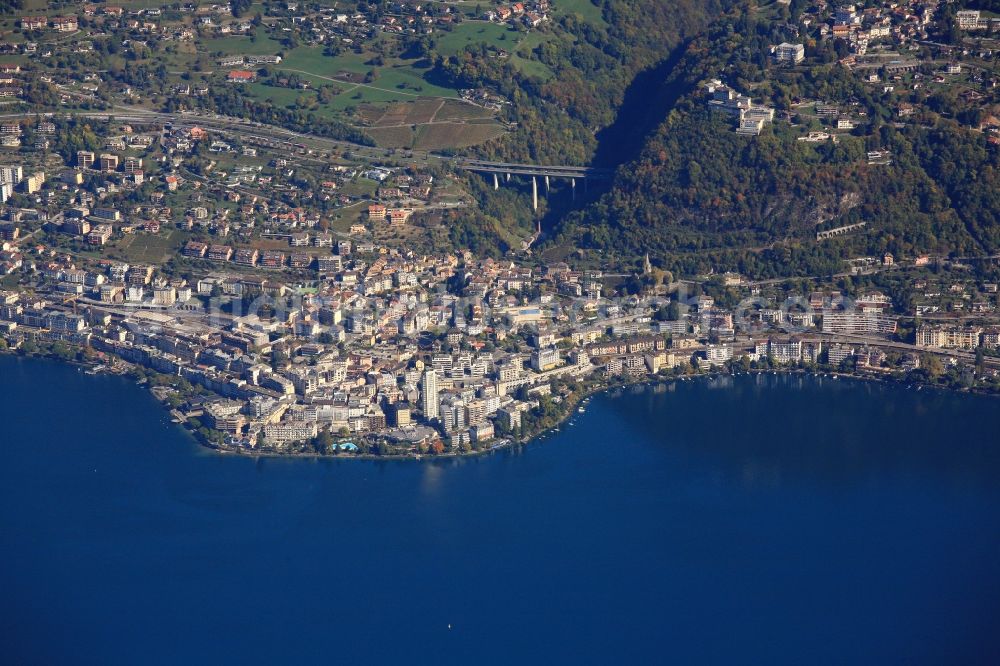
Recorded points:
34,182
85,159
453,415
11,174
429,397
133,165
793,53
109,162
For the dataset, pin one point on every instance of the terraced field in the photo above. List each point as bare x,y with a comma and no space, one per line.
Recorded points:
430,124
390,97
450,135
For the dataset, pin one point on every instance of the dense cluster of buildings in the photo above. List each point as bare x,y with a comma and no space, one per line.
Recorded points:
863,27
423,352
889,23
298,331
127,160
750,117
957,337
891,45
530,14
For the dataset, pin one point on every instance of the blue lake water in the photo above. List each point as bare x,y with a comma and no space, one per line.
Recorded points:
771,520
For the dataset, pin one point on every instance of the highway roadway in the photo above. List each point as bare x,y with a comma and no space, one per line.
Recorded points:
280,137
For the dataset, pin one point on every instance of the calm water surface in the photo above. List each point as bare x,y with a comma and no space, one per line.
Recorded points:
765,520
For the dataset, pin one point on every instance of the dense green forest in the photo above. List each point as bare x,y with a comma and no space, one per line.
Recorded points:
700,198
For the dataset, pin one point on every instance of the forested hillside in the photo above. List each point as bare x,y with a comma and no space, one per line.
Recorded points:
573,116
702,198
592,65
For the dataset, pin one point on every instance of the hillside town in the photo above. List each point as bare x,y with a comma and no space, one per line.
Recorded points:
513,332
285,294
365,348
894,48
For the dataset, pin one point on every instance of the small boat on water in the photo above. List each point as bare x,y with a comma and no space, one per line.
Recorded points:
580,410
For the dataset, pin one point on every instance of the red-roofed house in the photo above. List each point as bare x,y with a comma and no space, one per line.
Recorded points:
65,23
33,22
241,76
399,216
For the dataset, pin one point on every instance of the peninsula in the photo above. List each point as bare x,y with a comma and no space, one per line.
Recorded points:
426,232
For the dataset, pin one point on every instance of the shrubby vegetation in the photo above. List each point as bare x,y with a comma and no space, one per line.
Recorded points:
230,102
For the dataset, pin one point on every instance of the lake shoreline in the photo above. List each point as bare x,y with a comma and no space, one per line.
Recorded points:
723,492
573,401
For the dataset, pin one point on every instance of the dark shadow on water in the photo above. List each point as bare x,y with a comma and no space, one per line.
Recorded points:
802,429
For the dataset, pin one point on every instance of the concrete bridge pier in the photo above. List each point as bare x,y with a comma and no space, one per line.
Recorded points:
534,193
496,181
546,186
572,188
508,177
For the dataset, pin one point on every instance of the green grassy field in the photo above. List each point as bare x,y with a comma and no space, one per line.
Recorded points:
408,83
500,36
475,32
366,94
532,68
35,6
143,4
585,9
396,97
362,187
311,59
284,97
523,59
395,81
342,220
242,45
151,249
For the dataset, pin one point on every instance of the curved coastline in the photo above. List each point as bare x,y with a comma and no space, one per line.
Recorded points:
568,406
694,495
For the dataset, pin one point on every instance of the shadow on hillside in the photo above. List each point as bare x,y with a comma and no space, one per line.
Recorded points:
648,100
